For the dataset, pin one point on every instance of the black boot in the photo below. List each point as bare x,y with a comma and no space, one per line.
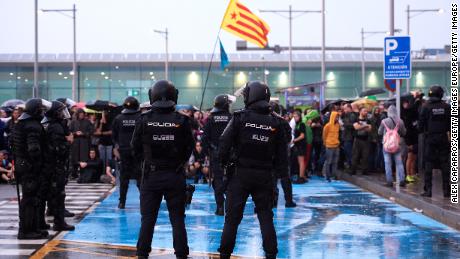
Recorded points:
68,214
220,211
426,194
30,235
290,204
44,226
121,205
63,227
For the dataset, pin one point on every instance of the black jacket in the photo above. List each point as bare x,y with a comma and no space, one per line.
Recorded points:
257,138
163,137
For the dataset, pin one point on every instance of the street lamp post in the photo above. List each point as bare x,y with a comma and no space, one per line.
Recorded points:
166,34
35,87
290,18
74,59
417,12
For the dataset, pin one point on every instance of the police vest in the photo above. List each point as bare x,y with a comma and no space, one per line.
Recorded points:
256,143
218,122
125,124
57,147
438,118
163,138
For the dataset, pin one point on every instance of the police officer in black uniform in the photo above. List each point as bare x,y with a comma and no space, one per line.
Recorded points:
163,139
434,122
28,144
258,140
286,183
122,133
215,125
56,155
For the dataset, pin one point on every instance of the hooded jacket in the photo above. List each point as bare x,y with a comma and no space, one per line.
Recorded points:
391,123
331,132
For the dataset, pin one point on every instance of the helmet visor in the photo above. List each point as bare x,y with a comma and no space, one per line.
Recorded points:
46,105
231,98
65,114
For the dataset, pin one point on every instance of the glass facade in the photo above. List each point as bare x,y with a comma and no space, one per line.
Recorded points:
112,81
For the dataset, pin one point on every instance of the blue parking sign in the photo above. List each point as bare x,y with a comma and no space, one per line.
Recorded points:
397,58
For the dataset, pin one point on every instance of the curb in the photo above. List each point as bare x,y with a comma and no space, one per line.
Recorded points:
437,213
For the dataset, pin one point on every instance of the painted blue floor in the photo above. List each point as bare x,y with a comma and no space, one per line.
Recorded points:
332,220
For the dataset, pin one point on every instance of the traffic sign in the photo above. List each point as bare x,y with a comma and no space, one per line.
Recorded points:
397,59
390,84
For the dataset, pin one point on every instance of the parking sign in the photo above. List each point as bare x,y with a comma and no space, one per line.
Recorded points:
397,58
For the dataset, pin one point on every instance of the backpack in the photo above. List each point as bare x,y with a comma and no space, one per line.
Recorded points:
391,139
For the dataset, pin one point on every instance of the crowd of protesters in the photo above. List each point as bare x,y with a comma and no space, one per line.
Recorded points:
341,136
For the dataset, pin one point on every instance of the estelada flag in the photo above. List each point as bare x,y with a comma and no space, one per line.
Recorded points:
240,21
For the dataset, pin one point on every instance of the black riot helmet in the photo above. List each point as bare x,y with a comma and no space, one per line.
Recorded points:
58,110
256,91
436,92
130,105
163,94
36,107
275,108
222,102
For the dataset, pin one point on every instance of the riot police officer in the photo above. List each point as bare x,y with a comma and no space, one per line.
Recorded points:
56,155
286,183
28,142
163,139
122,133
215,125
434,122
257,138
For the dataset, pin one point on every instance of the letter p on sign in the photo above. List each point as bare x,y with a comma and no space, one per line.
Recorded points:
390,45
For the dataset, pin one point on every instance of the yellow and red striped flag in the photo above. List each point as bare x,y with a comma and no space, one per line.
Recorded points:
240,21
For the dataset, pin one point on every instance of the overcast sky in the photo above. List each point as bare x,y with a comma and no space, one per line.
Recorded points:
126,26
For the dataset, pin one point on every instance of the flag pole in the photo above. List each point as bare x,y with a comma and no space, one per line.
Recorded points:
213,52
209,69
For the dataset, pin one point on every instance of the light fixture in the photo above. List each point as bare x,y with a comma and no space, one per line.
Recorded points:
60,73
267,72
372,80
151,73
26,80
106,77
18,77
102,73
71,72
11,74
117,67
65,77
241,78
193,79
283,79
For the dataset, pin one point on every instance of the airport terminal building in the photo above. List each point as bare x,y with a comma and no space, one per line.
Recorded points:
114,76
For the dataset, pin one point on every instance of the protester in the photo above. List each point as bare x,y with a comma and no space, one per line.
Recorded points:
6,168
393,122
82,129
363,127
331,142
198,165
91,170
348,118
300,147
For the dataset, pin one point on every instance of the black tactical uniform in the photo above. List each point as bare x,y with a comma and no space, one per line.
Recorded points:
56,159
28,142
122,133
434,122
258,140
163,140
217,121
286,183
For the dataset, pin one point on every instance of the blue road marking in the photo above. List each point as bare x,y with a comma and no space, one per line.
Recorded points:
332,220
